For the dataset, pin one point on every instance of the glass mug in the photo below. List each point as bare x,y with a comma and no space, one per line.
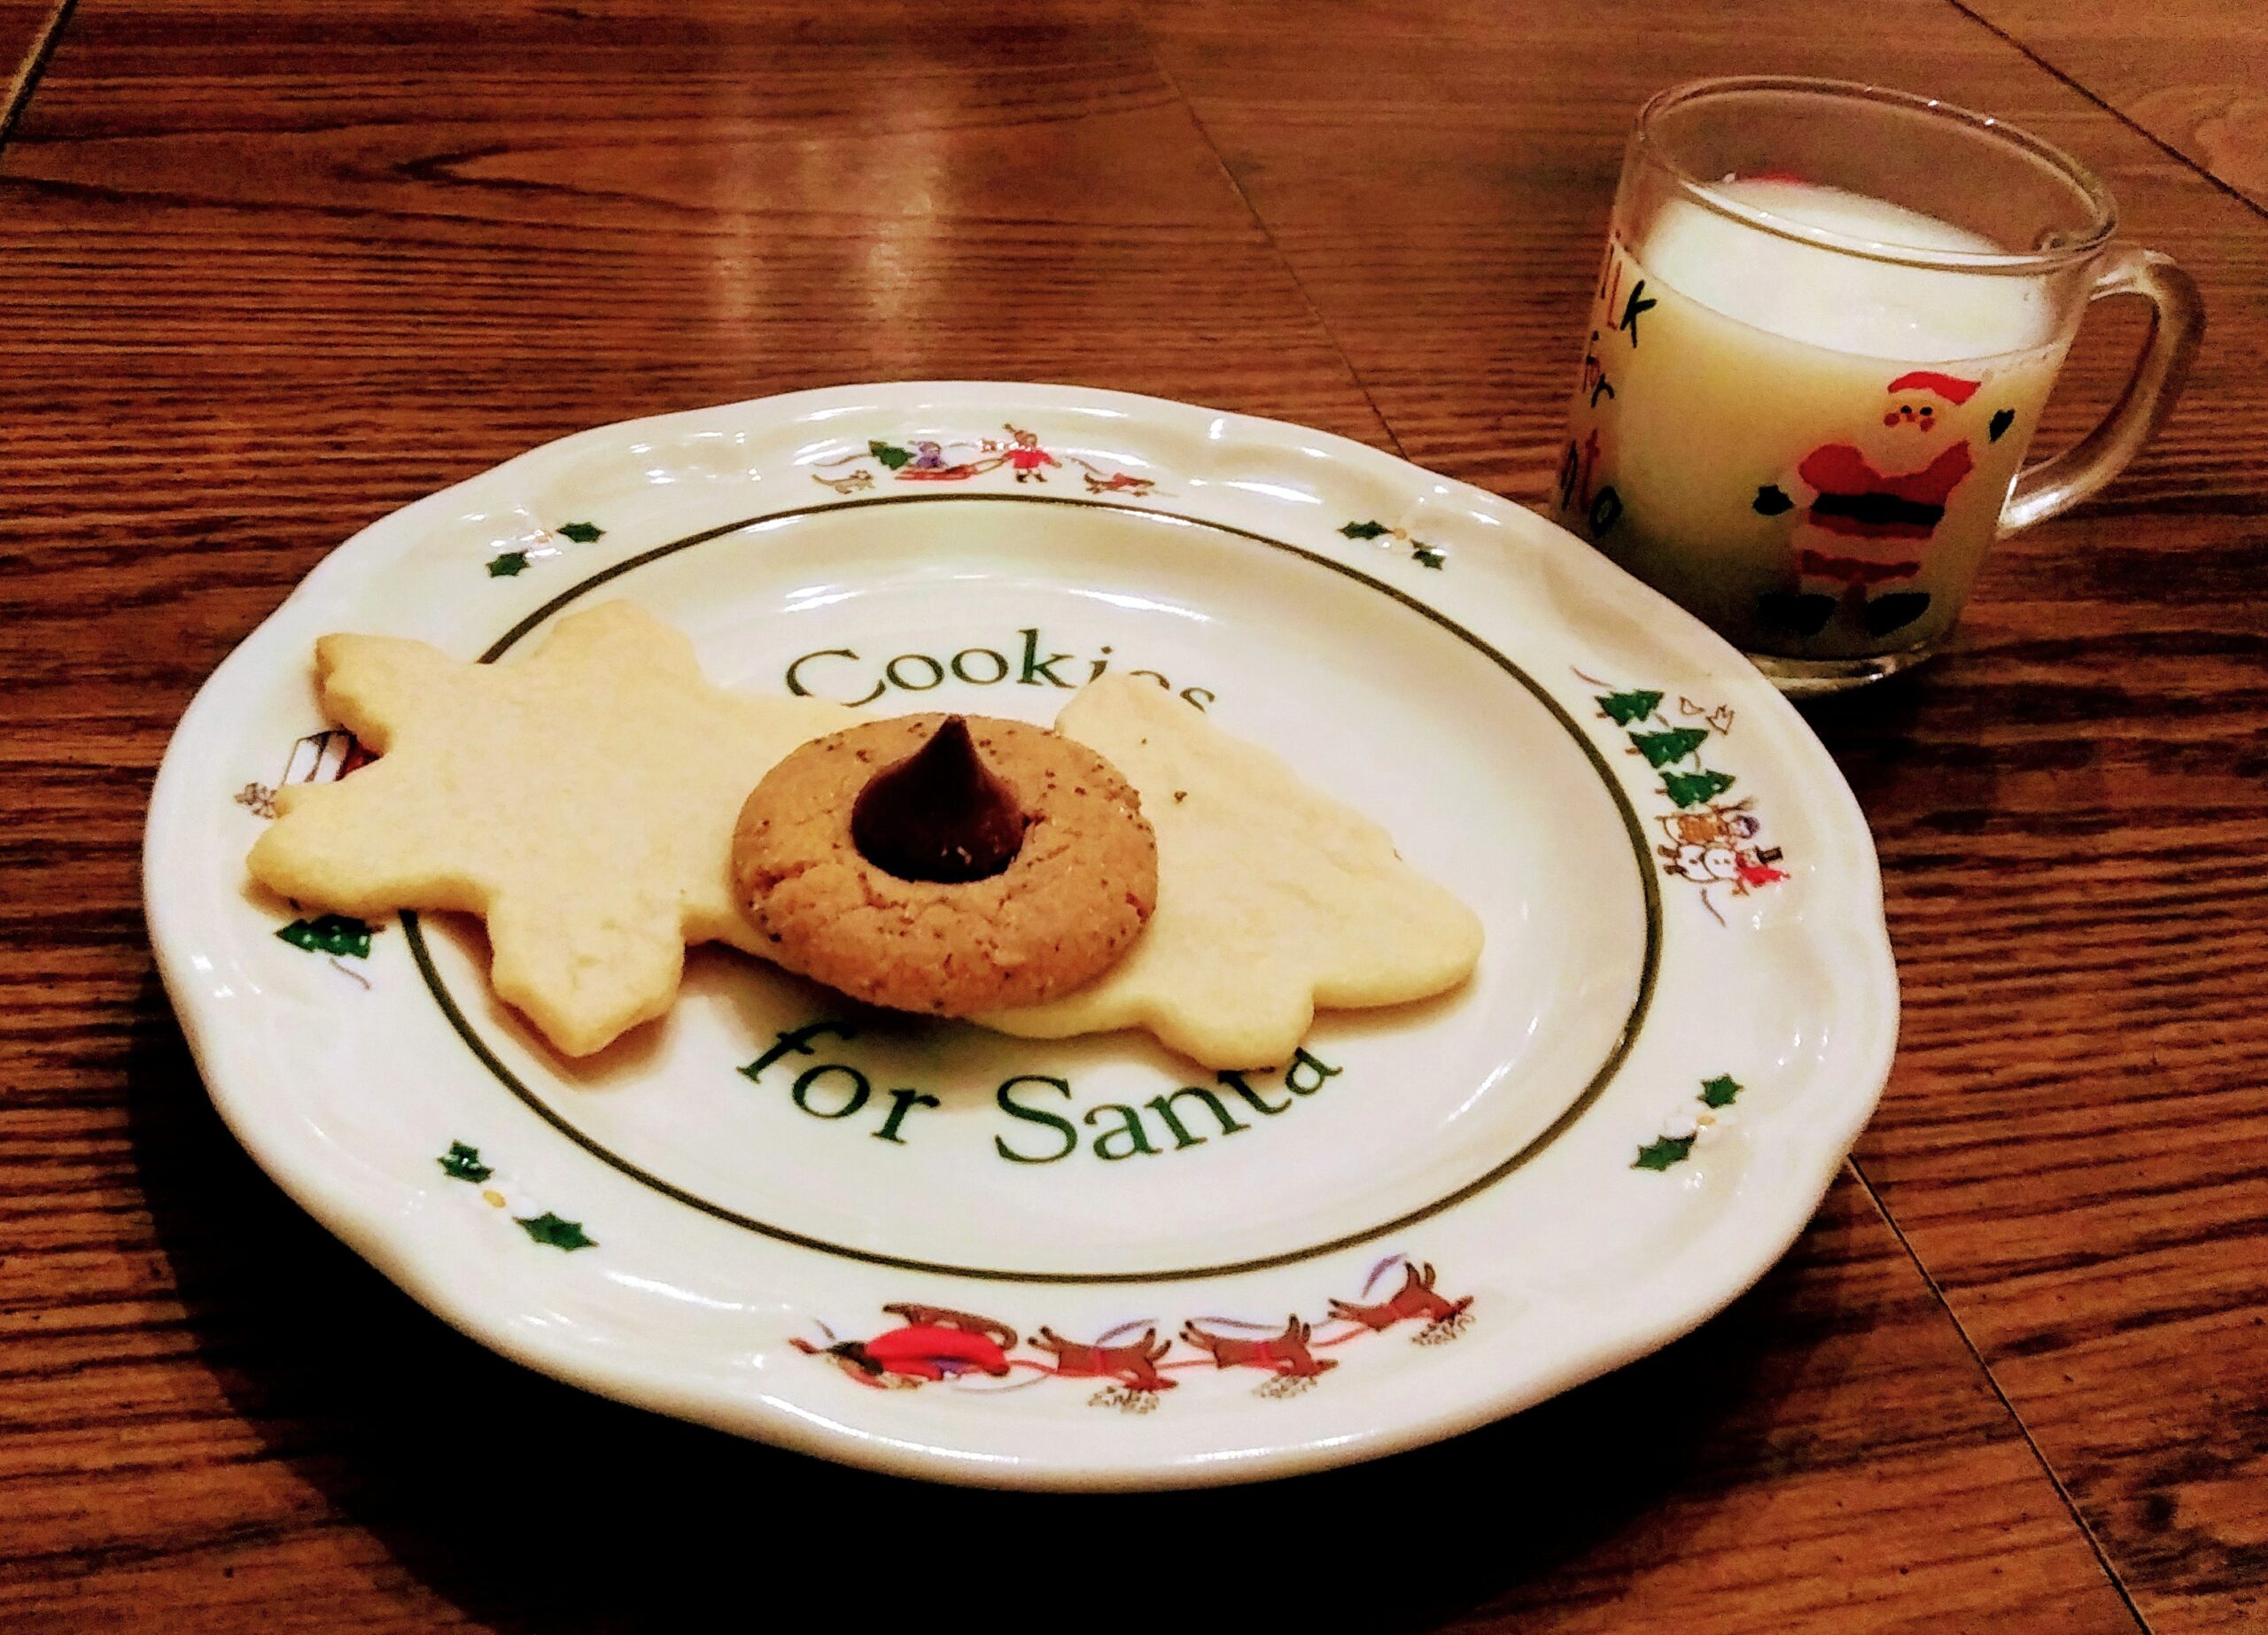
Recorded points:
1828,320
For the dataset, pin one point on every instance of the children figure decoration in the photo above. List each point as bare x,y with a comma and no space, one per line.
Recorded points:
1710,842
930,460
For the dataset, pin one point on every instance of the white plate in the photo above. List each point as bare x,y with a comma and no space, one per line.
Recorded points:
1683,1016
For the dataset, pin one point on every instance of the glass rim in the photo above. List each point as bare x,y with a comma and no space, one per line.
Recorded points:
2102,224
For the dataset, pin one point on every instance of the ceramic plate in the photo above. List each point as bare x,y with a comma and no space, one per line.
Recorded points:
934,1250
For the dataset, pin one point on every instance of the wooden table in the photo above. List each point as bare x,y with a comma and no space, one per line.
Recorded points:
275,267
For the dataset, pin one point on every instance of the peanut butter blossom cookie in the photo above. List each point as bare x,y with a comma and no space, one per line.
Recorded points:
946,864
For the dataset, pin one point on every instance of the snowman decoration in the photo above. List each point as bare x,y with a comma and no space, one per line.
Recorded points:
1720,845
1869,506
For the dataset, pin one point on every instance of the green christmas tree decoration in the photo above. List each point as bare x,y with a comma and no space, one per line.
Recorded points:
1661,748
1624,707
330,933
1364,530
1663,1153
1692,788
549,1229
508,564
582,533
1425,556
462,1163
1718,1091
889,454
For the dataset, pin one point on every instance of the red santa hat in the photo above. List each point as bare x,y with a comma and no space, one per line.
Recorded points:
1952,388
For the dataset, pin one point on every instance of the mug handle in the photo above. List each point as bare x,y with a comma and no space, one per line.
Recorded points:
2177,324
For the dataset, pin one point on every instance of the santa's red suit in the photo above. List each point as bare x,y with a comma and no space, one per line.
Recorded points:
1854,502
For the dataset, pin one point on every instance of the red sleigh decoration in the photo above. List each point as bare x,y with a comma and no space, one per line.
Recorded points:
935,1344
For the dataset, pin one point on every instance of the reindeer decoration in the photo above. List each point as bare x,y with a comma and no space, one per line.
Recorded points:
1415,1298
1285,1355
935,1343
1134,1365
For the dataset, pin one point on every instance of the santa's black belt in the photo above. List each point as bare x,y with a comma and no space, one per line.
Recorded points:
1878,508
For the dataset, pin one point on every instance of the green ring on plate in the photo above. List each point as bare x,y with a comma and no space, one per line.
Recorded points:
415,934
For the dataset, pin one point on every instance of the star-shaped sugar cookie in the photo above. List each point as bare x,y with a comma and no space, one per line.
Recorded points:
1273,899
581,801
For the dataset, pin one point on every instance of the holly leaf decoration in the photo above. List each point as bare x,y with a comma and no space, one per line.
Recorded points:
462,1163
889,454
330,933
1427,556
510,562
549,1229
582,533
1661,748
1624,707
1364,530
1663,1153
1692,788
1718,1091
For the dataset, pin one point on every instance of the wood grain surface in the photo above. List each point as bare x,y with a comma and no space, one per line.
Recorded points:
276,269
2069,813
2194,73
29,28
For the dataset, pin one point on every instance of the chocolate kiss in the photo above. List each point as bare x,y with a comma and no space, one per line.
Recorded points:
939,815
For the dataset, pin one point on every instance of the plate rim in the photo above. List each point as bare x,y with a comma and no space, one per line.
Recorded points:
1860,940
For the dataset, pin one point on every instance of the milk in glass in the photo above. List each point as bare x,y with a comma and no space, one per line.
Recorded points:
1809,448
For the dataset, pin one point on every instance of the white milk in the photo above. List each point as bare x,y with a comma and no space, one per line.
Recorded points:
1748,363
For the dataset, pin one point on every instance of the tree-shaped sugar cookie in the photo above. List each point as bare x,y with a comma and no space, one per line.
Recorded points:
581,801
1273,900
